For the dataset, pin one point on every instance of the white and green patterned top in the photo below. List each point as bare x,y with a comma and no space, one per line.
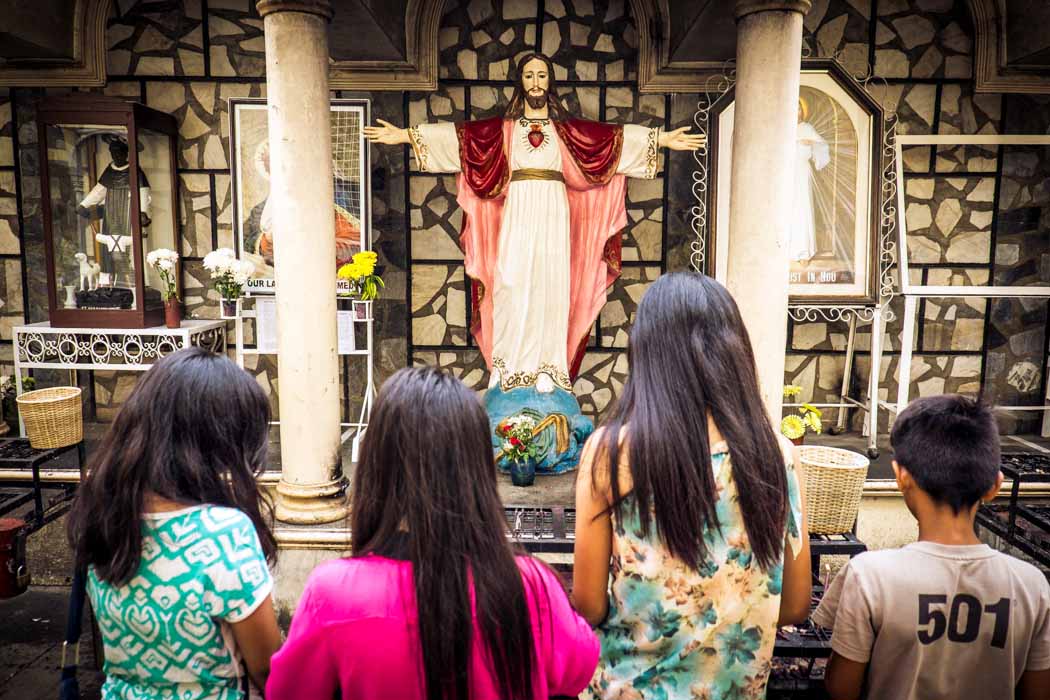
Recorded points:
165,631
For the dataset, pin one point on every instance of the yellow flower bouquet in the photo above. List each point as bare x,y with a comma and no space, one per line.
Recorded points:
796,425
360,272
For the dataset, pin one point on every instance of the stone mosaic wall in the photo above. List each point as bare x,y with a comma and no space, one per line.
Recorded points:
975,214
179,59
921,54
968,225
11,300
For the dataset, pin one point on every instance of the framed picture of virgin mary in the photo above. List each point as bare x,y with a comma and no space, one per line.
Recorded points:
252,217
831,228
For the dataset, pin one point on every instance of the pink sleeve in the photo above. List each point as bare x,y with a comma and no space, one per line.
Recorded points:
568,644
304,667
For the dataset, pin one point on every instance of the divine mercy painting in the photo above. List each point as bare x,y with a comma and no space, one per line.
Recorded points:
830,226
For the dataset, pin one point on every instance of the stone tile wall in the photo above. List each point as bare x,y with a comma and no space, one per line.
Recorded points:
976,214
11,308
176,58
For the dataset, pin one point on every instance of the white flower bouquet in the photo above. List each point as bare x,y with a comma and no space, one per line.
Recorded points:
228,273
165,262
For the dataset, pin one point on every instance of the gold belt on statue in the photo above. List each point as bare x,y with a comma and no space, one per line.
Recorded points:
536,174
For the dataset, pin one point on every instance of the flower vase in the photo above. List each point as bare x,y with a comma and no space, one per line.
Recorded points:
799,440
362,309
230,308
172,312
523,473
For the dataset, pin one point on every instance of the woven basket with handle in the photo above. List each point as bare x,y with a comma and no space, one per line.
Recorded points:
834,480
53,417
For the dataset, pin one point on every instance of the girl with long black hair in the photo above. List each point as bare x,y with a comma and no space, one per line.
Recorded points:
433,603
690,500
170,525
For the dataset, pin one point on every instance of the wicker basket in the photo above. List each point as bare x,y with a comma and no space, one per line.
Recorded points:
834,481
53,417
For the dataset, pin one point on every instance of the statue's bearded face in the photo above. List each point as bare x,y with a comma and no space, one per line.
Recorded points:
535,81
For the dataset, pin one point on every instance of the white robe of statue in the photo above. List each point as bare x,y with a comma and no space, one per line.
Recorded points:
811,155
530,305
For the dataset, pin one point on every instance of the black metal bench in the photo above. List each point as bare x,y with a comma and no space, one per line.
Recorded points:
49,501
1025,527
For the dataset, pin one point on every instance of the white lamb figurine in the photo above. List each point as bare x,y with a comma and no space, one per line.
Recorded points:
88,273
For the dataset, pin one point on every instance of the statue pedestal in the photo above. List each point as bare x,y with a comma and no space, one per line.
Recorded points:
562,429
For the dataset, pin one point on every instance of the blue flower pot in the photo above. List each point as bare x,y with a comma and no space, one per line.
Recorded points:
523,473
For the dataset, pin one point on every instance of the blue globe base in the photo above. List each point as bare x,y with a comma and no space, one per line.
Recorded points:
560,442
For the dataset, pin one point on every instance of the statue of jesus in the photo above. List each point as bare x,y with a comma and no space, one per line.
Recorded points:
543,197
543,194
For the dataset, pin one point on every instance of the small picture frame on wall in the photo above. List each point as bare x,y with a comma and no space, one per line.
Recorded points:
832,227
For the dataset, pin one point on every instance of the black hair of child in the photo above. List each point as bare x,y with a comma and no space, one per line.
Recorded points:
950,445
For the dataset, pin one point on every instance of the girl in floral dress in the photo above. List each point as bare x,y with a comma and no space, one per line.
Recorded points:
689,519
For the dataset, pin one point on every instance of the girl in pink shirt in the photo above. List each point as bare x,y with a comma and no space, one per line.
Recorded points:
433,603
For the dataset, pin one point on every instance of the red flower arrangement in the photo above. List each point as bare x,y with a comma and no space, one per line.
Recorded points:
517,434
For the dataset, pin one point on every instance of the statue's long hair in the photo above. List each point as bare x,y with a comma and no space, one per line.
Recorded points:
516,108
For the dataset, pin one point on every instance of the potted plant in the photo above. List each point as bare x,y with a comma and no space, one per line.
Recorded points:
165,262
519,448
8,392
807,419
229,275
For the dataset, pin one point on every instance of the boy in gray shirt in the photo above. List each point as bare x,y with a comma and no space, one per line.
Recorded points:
947,616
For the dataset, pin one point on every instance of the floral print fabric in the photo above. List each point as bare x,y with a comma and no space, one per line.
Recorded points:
675,633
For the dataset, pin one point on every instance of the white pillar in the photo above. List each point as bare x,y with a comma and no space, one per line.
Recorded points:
312,487
768,60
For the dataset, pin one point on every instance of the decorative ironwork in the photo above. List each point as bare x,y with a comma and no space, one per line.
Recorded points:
69,348
714,89
888,229
831,314
213,339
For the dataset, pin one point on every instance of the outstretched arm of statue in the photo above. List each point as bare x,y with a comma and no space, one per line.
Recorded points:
435,146
681,140
386,133
640,156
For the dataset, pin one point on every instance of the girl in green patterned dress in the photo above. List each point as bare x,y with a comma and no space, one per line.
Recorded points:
169,524
689,521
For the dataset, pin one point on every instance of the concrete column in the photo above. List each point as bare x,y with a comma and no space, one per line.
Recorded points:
312,488
768,59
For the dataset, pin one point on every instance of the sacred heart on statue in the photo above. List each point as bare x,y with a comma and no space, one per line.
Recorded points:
536,136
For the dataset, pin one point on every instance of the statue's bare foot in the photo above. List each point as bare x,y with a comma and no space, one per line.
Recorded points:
544,384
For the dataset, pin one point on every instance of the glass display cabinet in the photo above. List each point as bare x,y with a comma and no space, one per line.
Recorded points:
107,170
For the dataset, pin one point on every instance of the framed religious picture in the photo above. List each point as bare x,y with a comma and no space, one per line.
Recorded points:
252,215
832,226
